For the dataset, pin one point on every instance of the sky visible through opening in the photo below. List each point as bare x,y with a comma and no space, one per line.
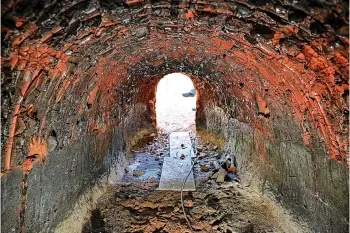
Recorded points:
174,111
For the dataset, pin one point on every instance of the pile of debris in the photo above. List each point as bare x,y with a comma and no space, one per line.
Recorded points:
228,208
220,170
226,171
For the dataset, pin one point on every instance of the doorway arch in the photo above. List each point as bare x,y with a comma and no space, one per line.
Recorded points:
175,104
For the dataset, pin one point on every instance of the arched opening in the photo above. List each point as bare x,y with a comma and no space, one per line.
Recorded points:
175,104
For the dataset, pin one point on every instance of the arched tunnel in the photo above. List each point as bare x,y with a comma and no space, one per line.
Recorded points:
79,82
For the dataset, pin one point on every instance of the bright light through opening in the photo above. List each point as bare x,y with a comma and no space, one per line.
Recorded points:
174,111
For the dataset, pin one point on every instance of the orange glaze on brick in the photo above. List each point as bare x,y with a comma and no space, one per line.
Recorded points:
261,65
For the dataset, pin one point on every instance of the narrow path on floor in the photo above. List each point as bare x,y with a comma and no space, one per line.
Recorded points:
178,167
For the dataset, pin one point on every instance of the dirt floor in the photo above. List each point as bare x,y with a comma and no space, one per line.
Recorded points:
135,205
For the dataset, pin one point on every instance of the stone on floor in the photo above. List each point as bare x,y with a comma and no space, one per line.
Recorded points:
174,172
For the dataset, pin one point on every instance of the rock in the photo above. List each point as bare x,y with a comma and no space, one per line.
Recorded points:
155,225
148,204
199,148
128,203
215,175
138,173
188,203
221,175
182,156
231,176
201,155
215,165
229,185
204,168
232,169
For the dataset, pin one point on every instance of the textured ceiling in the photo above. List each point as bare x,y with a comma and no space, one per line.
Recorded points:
92,60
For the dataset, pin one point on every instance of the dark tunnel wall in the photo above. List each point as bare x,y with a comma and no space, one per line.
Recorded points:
79,81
